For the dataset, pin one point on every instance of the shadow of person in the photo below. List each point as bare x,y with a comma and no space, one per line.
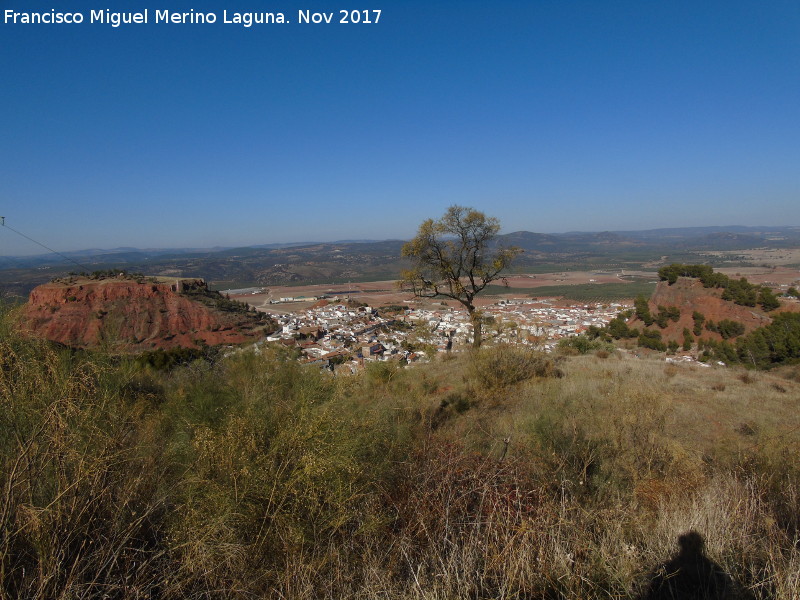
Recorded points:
690,575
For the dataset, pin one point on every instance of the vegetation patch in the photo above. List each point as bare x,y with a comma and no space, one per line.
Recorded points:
589,292
766,347
738,291
583,344
251,476
502,366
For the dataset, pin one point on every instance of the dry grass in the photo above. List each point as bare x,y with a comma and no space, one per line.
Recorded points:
482,476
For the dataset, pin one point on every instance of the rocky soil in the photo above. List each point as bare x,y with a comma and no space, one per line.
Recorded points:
689,295
134,315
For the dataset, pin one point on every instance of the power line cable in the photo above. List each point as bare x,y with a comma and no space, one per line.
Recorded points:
74,262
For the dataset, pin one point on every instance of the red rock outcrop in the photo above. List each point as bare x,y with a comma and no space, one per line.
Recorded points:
135,315
689,295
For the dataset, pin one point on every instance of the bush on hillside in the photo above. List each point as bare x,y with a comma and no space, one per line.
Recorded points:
688,339
504,365
582,344
726,328
651,339
699,318
643,310
774,344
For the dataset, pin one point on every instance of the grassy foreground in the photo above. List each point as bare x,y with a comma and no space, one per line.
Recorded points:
496,475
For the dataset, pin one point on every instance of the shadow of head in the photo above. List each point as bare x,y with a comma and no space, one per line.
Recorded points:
691,575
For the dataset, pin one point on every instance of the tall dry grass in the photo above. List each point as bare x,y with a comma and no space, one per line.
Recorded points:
483,476
83,487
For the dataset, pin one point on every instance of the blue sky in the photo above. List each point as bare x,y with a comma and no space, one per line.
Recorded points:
550,115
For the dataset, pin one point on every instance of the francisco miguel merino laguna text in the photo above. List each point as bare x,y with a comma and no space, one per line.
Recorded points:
245,19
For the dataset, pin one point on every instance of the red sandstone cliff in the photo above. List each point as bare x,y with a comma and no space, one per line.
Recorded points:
136,315
689,295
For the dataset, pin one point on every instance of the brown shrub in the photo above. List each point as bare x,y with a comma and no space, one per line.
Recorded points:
504,365
747,377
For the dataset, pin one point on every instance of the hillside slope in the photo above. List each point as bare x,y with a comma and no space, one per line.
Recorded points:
136,314
689,295
475,476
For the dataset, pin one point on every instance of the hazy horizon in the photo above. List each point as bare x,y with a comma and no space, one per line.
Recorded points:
88,250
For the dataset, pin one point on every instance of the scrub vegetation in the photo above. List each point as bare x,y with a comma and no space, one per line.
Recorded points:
497,473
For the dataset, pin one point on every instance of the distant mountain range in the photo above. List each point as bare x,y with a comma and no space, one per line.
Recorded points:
732,237
125,254
365,260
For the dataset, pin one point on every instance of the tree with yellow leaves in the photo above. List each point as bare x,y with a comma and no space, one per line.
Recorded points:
454,257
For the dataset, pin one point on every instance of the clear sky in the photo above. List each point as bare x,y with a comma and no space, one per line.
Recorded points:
551,115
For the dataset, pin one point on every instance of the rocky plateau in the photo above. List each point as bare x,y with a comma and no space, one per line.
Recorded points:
137,314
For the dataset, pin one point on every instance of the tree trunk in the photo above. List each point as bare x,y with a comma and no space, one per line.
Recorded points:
476,327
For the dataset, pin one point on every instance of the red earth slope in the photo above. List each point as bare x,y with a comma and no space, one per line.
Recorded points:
139,314
689,295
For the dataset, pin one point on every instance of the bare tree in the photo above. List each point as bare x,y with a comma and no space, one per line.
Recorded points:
453,258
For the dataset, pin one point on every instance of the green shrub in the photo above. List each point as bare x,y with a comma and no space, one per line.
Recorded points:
726,328
699,318
688,340
652,339
505,365
581,344
767,299
643,310
618,328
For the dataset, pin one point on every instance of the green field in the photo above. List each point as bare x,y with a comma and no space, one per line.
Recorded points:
588,292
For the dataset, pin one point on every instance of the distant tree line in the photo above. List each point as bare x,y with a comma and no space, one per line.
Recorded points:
583,344
618,329
702,272
651,338
688,339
